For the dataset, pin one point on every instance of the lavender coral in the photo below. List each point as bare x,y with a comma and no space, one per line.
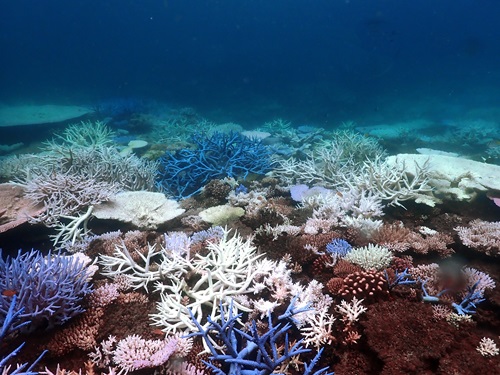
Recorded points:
134,353
48,289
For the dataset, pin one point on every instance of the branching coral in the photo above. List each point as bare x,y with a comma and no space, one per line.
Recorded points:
391,184
351,310
398,238
326,166
9,325
65,194
481,235
251,352
49,289
340,166
101,163
122,262
487,347
353,208
104,163
228,267
80,172
228,270
220,155
84,134
134,353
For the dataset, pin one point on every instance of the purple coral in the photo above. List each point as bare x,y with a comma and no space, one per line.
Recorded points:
48,289
300,192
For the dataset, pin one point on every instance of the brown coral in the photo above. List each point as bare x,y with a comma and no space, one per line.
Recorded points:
320,263
392,235
401,263
400,239
407,340
334,285
81,333
343,268
369,285
215,192
135,240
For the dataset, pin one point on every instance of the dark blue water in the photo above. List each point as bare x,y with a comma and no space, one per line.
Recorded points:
310,61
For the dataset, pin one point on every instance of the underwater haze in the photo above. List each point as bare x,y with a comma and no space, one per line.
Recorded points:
299,187
317,61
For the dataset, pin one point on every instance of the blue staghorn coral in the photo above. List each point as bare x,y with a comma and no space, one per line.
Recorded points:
48,288
184,173
252,352
9,325
338,248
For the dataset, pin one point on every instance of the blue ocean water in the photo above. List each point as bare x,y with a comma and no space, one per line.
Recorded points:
310,61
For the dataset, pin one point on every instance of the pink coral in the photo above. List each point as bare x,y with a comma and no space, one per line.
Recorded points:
481,235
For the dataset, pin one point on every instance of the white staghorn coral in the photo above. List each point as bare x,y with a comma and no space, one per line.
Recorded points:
351,310
122,263
229,269
318,330
487,347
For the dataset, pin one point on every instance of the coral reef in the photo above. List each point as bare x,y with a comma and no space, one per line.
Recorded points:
318,267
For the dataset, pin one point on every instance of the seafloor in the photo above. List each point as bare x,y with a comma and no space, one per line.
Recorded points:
427,244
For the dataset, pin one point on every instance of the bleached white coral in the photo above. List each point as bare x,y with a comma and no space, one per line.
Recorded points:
371,257
229,269
487,347
276,279
102,356
318,330
278,230
122,263
265,307
315,225
149,265
351,310
366,226
394,183
481,235
354,208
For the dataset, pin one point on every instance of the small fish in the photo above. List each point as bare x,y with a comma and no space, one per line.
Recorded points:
158,332
339,194
9,293
493,143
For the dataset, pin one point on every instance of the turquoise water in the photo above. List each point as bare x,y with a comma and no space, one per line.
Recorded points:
315,62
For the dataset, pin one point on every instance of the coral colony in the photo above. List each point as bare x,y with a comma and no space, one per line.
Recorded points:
220,155
201,248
